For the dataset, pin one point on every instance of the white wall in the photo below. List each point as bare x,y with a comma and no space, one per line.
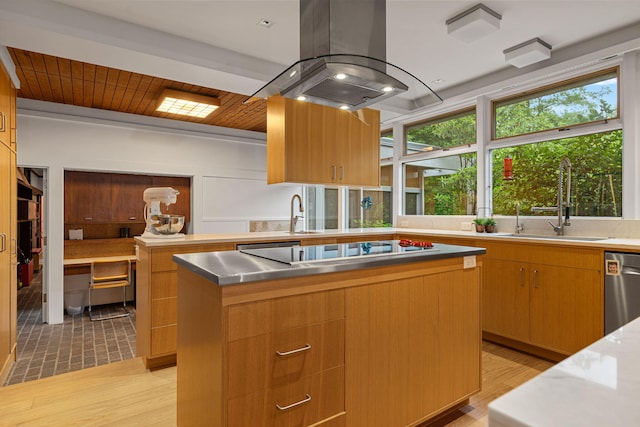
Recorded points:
228,169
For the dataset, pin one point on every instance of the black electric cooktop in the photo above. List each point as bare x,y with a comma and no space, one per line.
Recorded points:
335,252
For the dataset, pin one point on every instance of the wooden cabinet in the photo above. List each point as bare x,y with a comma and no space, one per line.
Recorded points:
102,203
284,352
548,297
8,228
156,301
87,197
5,106
126,197
414,343
310,143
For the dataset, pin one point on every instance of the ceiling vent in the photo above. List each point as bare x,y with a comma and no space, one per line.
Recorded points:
343,65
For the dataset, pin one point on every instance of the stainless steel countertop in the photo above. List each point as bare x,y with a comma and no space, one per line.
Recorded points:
234,267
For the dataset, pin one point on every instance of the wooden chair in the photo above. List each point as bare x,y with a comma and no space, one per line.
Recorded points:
107,275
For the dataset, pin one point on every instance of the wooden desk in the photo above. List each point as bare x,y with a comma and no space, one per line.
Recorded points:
83,265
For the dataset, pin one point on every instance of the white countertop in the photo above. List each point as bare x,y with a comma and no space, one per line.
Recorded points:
598,386
267,236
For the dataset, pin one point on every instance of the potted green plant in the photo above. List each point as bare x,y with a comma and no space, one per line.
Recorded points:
490,225
480,224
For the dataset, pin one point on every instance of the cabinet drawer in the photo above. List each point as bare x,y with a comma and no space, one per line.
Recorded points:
163,261
276,315
164,340
164,311
323,392
255,365
164,284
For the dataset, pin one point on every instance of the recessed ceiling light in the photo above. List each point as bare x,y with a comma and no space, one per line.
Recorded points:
387,89
266,23
301,98
187,104
293,73
344,107
340,76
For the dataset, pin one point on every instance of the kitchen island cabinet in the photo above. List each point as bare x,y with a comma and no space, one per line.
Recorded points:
380,344
156,282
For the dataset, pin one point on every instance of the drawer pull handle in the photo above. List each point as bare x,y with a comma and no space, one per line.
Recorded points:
293,405
132,218
4,242
88,218
297,350
4,122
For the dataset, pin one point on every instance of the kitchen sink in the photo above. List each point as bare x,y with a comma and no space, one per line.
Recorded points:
540,236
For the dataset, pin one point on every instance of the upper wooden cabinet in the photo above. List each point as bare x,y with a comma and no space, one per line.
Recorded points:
87,197
6,102
126,194
314,144
104,198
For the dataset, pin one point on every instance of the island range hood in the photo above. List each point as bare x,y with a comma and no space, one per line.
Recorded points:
343,50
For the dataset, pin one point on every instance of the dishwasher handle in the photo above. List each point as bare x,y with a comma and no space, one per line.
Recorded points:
632,271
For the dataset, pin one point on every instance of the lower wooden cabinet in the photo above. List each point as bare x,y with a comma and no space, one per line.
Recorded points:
157,301
545,297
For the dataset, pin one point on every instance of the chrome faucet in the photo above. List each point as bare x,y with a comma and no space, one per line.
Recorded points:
293,220
519,227
559,227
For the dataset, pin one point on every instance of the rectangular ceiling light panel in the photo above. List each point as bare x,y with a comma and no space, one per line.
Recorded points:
187,104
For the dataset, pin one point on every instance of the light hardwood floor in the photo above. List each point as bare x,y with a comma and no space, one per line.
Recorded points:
126,394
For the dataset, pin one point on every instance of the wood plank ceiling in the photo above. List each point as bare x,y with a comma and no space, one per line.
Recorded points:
65,81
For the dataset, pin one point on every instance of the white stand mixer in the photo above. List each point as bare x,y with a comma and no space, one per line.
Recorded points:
170,225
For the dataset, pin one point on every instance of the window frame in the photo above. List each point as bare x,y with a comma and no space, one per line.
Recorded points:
548,89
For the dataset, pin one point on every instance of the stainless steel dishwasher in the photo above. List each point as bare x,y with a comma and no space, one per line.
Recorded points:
621,289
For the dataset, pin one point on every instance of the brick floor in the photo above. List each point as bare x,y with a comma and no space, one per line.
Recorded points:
45,350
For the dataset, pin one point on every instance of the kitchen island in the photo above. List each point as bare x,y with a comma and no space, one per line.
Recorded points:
375,335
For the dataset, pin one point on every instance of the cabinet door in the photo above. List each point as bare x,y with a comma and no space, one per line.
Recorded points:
5,256
126,197
87,197
565,303
310,143
505,298
5,107
360,147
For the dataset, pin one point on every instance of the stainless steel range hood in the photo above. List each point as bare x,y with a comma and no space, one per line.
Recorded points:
343,65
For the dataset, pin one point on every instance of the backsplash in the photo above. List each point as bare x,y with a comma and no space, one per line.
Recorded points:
586,227
269,225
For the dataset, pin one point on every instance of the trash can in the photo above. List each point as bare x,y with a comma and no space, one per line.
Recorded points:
74,301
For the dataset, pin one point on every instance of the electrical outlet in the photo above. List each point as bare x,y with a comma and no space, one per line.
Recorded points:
465,226
404,223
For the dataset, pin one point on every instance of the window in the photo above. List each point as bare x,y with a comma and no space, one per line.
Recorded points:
321,209
595,155
596,175
585,100
447,185
369,208
442,133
